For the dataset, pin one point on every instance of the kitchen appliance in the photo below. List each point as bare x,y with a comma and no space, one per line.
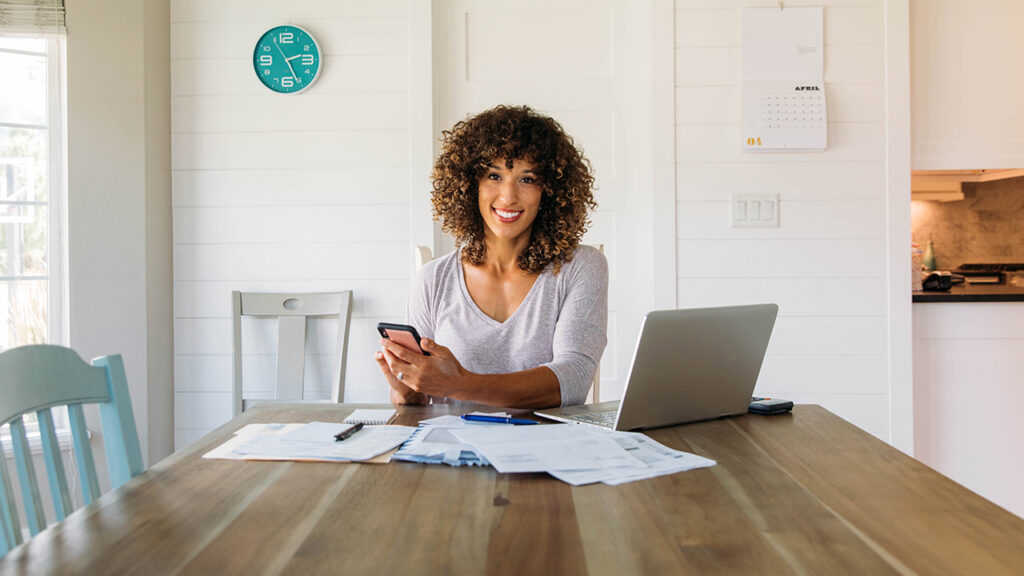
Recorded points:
987,273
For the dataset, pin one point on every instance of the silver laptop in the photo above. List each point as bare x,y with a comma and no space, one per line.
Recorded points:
689,365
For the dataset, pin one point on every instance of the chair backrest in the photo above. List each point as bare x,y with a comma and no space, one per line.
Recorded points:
34,379
291,311
424,254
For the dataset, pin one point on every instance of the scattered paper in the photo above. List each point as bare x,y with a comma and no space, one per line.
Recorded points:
545,448
311,442
658,460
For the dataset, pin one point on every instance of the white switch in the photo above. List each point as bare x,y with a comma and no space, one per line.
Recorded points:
754,210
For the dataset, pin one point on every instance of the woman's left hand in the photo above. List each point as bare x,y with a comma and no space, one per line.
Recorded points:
439,374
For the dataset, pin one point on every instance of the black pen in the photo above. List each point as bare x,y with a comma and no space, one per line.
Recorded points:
343,435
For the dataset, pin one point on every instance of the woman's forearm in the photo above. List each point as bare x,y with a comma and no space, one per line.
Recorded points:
534,388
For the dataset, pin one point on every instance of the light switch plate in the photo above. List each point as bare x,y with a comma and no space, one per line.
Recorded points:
754,210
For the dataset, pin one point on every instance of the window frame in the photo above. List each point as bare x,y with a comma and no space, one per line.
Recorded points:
56,274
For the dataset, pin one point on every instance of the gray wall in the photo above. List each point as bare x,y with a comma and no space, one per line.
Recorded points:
119,202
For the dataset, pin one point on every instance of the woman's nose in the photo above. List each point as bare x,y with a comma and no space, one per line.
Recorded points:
508,190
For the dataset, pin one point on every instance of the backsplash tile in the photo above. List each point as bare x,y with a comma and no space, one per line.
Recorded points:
986,226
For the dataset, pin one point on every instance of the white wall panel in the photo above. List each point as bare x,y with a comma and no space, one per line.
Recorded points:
317,112
863,219
769,258
302,187
342,74
829,336
546,54
795,296
965,321
792,181
242,150
235,10
241,262
285,224
236,39
785,376
592,94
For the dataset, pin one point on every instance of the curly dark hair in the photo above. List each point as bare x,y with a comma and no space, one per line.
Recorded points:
505,133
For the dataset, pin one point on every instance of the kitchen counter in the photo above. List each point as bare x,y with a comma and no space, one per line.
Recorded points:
974,293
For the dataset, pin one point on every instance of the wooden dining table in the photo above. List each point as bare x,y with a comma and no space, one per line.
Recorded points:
800,493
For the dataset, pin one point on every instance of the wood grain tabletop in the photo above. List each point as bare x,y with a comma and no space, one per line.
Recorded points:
803,493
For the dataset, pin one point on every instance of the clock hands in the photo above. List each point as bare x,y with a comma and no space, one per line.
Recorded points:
287,61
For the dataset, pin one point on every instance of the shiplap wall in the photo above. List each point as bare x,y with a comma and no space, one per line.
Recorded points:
285,193
825,265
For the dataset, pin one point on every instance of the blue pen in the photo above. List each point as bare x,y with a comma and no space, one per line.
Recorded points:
500,419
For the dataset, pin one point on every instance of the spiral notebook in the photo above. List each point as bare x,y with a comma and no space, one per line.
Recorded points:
370,417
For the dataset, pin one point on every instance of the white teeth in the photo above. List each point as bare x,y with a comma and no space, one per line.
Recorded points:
506,214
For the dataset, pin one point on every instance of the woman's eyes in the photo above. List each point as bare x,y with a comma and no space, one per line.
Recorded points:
495,177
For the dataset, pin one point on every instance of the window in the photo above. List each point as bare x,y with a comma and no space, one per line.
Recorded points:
31,186
31,200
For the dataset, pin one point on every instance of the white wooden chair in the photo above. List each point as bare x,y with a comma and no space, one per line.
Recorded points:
424,255
291,311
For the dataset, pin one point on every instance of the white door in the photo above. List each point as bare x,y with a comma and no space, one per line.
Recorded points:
586,64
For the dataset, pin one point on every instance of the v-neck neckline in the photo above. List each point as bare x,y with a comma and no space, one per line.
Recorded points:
476,308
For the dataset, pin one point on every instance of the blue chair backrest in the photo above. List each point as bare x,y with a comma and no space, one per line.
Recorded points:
36,379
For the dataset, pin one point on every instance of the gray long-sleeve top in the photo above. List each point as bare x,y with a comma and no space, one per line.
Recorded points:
561,324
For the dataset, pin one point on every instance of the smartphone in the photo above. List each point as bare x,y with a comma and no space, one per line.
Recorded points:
403,335
769,406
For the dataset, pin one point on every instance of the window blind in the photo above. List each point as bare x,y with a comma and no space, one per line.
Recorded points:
32,16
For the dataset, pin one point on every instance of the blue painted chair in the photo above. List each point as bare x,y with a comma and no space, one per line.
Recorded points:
36,379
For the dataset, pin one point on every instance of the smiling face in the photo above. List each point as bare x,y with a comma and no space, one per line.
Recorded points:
509,200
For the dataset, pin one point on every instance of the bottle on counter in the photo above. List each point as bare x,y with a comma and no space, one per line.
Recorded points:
916,263
929,257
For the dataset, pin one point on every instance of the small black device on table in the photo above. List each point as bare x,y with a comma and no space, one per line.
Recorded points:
768,406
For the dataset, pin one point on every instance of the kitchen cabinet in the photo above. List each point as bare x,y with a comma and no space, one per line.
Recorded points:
966,85
968,394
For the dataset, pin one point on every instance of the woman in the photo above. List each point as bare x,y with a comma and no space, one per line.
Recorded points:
520,306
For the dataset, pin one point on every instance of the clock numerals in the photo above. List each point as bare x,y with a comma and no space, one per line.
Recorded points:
266,60
307,60
286,38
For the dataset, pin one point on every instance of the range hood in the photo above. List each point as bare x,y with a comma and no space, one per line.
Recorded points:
947,185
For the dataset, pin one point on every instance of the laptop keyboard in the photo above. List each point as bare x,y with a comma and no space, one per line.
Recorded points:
605,419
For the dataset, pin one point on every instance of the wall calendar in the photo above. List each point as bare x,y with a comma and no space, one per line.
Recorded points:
784,105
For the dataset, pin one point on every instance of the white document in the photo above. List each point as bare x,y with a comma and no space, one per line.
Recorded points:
312,442
545,448
783,79
246,432
658,459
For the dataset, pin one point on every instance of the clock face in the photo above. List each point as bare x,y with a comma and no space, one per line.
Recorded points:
287,59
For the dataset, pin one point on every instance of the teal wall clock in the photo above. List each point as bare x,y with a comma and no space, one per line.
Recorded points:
287,59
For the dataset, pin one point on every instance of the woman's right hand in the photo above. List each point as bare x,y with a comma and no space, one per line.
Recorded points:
400,393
